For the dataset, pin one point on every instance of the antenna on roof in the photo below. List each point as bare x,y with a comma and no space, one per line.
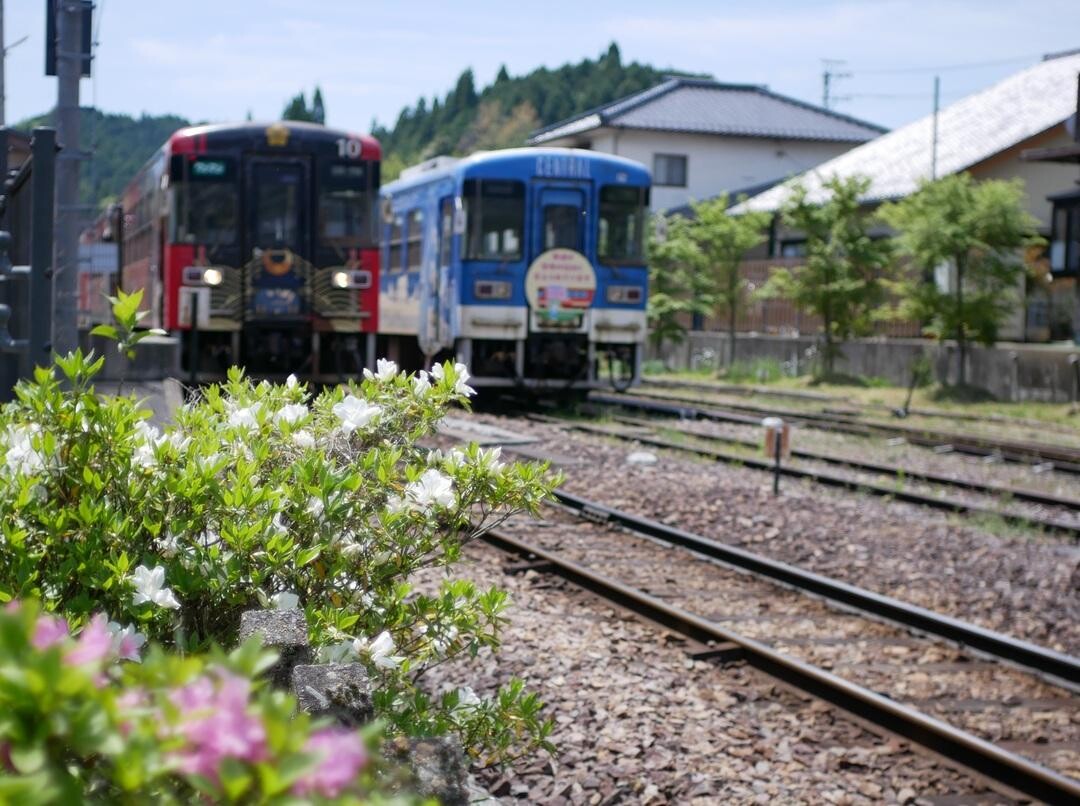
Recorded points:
828,76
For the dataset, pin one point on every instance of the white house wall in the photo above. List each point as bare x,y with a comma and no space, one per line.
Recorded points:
714,164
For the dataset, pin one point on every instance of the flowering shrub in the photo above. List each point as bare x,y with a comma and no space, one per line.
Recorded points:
263,495
76,725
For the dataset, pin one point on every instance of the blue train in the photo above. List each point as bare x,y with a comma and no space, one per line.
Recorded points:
528,265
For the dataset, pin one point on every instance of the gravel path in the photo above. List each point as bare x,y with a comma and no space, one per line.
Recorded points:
638,722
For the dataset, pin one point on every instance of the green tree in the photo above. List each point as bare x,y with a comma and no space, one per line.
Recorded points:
297,108
674,258
844,278
722,241
980,232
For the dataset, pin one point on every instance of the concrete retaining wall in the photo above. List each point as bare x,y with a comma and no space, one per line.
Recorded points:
1009,371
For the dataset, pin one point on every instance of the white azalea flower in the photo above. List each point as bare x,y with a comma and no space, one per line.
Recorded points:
21,458
291,382
168,545
145,455
179,441
489,459
150,587
379,651
315,507
355,413
147,432
304,439
455,459
278,525
291,413
285,601
430,490
467,699
460,385
245,418
421,385
384,370
395,504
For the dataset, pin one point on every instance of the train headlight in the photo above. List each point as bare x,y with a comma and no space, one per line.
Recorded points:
201,275
359,278
624,294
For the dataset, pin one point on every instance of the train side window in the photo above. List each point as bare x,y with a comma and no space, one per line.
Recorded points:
621,225
396,245
446,230
415,241
495,218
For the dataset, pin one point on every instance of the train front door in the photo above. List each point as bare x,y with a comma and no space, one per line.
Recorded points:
277,242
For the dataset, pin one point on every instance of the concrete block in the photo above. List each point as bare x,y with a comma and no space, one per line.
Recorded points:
341,691
284,631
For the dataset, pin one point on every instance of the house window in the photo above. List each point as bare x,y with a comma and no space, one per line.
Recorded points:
793,248
670,170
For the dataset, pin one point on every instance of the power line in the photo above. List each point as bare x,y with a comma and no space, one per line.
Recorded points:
943,68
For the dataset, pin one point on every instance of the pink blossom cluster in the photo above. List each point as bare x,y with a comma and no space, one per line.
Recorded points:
216,723
96,644
341,756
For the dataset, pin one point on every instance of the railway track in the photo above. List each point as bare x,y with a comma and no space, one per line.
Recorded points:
1064,459
830,400
947,503
1003,708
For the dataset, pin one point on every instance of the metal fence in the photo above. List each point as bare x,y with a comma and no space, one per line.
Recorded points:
779,316
26,258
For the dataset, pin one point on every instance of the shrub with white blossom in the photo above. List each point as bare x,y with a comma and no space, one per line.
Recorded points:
261,495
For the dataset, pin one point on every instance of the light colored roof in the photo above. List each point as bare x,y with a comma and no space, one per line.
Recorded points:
708,107
969,131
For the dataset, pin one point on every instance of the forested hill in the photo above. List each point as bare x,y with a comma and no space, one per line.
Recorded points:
120,144
505,112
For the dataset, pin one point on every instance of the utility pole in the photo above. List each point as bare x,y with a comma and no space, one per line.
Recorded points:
933,144
3,58
69,64
828,76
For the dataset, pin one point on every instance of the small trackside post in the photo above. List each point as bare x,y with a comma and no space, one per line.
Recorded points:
777,444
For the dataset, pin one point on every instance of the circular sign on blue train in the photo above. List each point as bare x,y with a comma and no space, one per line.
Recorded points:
560,285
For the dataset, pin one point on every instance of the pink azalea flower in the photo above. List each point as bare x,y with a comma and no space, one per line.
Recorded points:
94,644
48,631
215,724
341,755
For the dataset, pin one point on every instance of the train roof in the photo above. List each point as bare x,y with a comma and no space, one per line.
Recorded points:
519,161
282,135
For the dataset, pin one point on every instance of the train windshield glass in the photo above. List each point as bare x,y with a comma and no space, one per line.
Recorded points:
622,224
345,206
205,201
495,218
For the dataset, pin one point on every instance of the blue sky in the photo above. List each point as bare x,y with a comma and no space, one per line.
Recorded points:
217,60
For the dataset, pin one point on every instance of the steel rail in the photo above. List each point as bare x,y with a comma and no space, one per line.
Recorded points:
1020,494
1063,459
831,480
1010,770
1002,647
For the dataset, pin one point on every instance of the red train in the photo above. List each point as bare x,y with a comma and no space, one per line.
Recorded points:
264,237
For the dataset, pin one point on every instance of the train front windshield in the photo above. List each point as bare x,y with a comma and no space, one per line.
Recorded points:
346,205
205,202
620,239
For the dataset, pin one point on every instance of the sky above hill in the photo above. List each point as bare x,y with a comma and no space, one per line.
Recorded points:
218,60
